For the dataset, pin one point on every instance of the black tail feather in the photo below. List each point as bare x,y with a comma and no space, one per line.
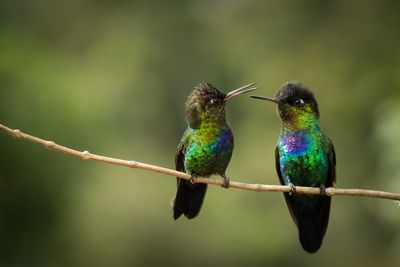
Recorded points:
189,199
310,234
311,225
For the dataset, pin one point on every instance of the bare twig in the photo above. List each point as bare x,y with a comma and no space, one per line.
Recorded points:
86,155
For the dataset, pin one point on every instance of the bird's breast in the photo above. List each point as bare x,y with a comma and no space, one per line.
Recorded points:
303,159
209,151
295,144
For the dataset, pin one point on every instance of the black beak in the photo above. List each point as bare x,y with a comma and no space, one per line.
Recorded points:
239,91
264,98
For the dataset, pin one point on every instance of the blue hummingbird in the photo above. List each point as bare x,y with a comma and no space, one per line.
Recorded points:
304,157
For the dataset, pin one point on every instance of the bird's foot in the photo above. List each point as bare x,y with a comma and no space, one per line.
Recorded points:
193,178
322,190
226,181
292,188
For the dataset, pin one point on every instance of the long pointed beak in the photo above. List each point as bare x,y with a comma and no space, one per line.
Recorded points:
239,91
264,98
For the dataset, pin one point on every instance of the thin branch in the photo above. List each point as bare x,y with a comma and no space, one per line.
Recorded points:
86,155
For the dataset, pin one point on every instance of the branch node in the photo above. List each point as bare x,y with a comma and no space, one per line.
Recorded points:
258,187
50,144
86,155
132,164
17,133
329,192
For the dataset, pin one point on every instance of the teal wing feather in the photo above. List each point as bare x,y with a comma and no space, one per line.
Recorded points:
278,170
180,152
329,183
332,161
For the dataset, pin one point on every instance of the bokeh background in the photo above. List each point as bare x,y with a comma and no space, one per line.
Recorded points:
112,77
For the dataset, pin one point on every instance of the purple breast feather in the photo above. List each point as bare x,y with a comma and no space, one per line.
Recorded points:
295,143
224,141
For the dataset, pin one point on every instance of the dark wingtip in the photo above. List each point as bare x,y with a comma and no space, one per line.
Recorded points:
188,200
189,216
310,235
192,212
177,215
311,247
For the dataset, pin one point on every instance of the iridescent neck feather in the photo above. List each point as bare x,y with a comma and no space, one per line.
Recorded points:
301,121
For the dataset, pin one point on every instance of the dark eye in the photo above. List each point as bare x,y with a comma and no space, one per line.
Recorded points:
215,101
299,102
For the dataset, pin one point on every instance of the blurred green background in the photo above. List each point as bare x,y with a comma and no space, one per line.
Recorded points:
112,77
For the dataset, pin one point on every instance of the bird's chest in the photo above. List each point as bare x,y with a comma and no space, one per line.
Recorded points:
209,152
303,159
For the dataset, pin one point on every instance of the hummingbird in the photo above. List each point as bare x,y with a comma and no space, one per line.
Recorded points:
206,145
304,157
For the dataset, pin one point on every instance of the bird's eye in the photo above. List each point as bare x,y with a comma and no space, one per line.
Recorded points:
299,102
215,101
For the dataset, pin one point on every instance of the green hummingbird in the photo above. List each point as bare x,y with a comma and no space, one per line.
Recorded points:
304,157
206,146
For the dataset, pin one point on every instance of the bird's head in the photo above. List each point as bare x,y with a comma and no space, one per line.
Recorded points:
207,103
295,103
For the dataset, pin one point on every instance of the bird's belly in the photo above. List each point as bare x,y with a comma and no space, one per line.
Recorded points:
310,169
206,158
303,161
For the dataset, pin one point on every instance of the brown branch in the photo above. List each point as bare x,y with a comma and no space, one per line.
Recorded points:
86,155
